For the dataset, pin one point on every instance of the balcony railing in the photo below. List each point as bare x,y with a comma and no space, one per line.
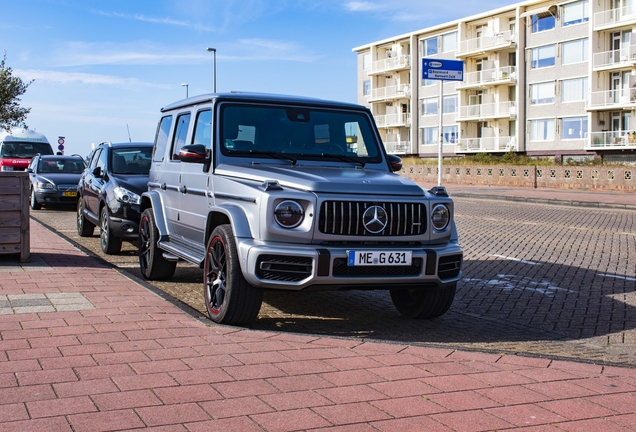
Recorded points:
484,111
391,64
612,140
488,76
612,98
397,147
488,144
401,91
486,43
612,17
623,57
393,120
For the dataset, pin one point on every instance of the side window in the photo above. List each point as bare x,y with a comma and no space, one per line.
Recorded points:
101,161
203,129
180,134
161,140
95,158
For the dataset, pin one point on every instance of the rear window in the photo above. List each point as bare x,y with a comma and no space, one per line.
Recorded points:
25,150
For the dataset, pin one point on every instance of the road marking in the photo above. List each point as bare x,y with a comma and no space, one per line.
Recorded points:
516,259
616,276
509,282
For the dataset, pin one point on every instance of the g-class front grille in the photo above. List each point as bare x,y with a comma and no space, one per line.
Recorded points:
347,218
340,268
449,266
283,268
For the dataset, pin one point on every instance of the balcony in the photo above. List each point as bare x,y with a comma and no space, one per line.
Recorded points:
614,140
489,77
397,147
393,120
612,99
614,18
616,59
488,144
390,64
400,91
483,44
487,111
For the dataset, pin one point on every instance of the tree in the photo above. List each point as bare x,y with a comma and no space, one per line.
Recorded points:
11,88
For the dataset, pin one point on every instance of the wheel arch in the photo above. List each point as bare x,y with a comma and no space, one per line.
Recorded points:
228,214
152,200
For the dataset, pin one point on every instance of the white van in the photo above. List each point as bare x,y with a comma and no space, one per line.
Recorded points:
18,147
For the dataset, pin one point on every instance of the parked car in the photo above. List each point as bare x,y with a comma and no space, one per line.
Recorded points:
281,192
18,147
109,192
54,179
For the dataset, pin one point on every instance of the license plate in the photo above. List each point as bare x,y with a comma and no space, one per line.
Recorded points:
69,194
378,258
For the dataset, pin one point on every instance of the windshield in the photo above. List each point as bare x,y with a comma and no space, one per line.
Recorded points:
297,133
25,150
134,160
61,166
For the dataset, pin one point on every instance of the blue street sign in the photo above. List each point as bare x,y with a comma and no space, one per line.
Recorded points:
442,69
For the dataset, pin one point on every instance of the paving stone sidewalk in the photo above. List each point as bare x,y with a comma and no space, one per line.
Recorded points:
108,354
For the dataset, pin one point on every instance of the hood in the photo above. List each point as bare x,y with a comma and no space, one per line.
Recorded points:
321,179
134,183
61,178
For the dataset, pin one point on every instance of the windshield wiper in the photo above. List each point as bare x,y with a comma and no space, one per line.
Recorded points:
342,158
275,155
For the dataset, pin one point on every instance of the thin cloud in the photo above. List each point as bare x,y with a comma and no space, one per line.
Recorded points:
154,20
65,78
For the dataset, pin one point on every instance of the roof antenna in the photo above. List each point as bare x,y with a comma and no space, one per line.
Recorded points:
129,140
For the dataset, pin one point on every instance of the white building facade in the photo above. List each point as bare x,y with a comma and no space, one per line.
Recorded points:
554,79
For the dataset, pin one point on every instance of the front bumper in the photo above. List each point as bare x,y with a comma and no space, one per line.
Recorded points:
49,196
318,267
124,223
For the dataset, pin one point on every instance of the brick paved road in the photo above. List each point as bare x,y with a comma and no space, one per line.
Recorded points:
538,279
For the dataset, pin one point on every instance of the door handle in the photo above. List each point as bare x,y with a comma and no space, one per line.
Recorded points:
183,189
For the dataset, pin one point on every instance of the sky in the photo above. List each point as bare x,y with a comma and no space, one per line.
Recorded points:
102,70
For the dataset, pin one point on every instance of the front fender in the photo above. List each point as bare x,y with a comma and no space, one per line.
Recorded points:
152,200
228,212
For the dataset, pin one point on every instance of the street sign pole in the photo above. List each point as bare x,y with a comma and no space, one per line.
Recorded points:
442,70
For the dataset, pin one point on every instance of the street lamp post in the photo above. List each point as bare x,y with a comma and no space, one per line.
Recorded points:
186,86
213,50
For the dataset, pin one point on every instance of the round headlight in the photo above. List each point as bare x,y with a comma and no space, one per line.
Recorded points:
440,216
289,214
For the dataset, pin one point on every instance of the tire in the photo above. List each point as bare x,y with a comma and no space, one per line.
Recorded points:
35,205
152,264
111,245
229,299
85,228
423,303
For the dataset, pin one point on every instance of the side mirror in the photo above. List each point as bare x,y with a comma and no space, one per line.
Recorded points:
97,172
193,153
395,162
29,170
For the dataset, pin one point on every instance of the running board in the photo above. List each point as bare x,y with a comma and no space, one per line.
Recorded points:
182,249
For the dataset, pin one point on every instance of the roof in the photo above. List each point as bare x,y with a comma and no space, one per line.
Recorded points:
126,144
27,135
258,97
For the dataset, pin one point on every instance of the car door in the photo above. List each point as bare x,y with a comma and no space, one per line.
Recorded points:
93,183
172,175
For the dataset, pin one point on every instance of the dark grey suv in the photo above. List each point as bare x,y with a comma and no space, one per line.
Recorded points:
280,192
109,192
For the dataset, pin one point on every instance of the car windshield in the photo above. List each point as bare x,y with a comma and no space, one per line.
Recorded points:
61,166
131,160
254,130
25,150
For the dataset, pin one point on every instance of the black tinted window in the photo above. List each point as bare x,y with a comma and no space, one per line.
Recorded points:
133,160
25,150
179,140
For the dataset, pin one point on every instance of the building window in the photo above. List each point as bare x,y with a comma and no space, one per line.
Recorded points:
429,106
574,128
366,61
576,13
430,47
428,82
542,93
575,51
449,42
542,23
429,136
542,130
574,90
366,88
451,134
543,56
449,104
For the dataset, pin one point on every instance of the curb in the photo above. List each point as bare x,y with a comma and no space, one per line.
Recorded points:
551,201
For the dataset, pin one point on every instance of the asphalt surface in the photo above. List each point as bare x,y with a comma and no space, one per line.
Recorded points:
540,279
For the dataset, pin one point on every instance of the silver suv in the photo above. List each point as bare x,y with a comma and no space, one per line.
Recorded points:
280,192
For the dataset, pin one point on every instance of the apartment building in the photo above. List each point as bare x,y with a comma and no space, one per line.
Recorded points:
541,78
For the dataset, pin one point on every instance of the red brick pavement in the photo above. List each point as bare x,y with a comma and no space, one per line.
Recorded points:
137,361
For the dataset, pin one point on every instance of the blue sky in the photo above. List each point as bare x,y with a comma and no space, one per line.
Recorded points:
102,68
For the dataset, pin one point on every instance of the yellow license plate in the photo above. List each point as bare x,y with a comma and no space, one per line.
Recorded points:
69,194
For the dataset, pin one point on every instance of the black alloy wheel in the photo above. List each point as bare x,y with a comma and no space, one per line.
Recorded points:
152,264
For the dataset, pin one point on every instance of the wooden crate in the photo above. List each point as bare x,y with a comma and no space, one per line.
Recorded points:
14,214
